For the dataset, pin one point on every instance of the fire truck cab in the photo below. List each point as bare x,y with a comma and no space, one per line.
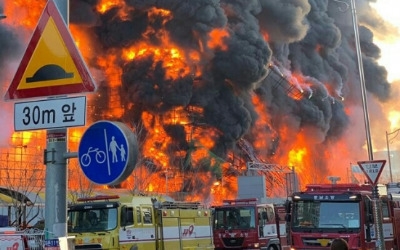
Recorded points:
245,224
140,223
326,211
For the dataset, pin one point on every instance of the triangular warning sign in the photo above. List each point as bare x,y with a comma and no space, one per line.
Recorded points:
372,169
52,64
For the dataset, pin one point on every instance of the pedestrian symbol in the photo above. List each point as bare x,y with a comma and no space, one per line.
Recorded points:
122,149
108,152
113,149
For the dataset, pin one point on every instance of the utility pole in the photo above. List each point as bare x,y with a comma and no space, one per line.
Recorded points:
388,141
380,242
56,168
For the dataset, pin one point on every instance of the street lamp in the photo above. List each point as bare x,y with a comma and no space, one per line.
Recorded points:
375,194
2,16
388,150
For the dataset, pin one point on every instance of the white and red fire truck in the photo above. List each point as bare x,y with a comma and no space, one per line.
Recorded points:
326,211
139,223
246,224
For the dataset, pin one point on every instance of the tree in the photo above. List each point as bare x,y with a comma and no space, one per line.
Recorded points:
22,182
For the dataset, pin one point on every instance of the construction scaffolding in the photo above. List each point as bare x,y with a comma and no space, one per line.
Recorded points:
277,176
283,174
21,161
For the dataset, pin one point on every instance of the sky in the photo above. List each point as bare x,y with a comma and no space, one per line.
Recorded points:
390,52
390,48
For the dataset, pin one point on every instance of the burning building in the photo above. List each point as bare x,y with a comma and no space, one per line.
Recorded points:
210,85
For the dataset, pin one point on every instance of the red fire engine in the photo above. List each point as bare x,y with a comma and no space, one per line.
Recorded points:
245,224
323,212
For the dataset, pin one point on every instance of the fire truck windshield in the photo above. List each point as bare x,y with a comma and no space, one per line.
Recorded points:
92,220
328,215
234,218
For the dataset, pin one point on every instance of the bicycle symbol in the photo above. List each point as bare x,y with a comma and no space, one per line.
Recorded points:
86,159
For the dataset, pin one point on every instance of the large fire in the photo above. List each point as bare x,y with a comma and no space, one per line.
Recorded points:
182,152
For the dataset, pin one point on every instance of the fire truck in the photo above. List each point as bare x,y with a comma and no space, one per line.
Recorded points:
139,223
326,211
245,224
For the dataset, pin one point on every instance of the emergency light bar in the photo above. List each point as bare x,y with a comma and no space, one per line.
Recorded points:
99,197
241,201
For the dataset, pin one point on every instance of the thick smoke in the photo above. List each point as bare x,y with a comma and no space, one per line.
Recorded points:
9,45
227,75
314,39
9,49
296,56
284,19
316,55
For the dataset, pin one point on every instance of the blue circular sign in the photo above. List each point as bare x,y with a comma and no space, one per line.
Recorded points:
108,152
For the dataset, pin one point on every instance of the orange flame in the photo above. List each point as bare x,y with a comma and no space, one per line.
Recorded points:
105,5
27,17
217,39
166,166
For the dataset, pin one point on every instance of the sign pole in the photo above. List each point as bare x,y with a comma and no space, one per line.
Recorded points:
376,205
56,184
380,240
56,169
372,170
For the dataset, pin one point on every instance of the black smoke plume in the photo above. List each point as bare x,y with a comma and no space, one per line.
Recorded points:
268,43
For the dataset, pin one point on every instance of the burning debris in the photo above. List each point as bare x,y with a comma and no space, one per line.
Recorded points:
196,78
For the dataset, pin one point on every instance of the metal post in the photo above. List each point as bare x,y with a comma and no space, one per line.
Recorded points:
362,80
63,8
376,203
166,182
388,150
56,168
389,160
56,184
380,242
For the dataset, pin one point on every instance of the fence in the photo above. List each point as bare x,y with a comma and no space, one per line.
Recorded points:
29,239
34,238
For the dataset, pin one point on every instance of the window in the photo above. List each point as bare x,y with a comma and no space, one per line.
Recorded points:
138,215
385,210
127,216
147,216
92,220
112,218
270,214
326,214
